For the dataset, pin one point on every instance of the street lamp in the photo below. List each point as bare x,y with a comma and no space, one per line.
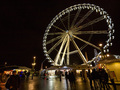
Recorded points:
100,44
33,64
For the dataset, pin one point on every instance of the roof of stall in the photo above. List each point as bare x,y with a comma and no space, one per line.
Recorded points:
6,68
78,67
111,59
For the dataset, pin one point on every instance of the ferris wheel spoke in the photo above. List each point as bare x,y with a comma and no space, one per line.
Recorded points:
63,56
75,18
53,39
90,23
86,42
73,52
84,17
76,51
85,45
56,44
68,49
61,47
92,32
68,20
63,24
57,33
58,28
79,51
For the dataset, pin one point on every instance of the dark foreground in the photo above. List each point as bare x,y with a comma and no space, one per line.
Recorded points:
53,83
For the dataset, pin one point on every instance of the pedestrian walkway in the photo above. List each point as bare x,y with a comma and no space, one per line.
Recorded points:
52,83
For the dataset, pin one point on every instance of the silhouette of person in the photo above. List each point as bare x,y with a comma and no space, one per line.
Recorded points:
13,83
90,78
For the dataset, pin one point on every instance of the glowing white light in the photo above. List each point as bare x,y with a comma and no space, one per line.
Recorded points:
107,50
44,44
107,55
100,56
50,60
110,44
45,51
110,26
101,12
107,44
44,37
104,51
113,31
96,10
46,55
113,37
44,40
44,47
105,16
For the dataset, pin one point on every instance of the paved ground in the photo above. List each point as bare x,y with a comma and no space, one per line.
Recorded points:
53,84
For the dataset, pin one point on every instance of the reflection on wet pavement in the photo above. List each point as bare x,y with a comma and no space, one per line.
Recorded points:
52,83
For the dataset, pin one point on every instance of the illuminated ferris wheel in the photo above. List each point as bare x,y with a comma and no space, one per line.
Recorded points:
76,30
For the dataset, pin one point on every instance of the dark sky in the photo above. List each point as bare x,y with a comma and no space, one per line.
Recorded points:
23,23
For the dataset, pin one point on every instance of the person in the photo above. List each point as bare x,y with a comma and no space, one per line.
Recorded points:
28,74
13,82
59,74
112,79
72,79
103,79
66,77
90,78
95,78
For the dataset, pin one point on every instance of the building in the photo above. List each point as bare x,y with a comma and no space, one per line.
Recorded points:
112,65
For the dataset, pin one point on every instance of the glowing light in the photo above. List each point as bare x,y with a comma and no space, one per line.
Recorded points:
100,56
100,45
107,55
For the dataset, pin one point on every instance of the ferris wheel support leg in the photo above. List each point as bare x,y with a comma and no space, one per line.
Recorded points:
63,56
58,55
68,49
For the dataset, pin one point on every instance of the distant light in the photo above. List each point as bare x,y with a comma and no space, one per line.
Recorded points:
91,65
100,45
34,57
108,55
104,51
65,67
33,64
100,56
50,60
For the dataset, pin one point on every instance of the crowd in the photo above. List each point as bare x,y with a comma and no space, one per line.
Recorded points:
99,80
12,82
70,76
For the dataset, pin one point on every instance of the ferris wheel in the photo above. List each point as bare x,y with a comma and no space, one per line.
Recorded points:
76,30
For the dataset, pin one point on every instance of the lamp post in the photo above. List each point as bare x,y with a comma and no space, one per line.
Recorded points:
34,63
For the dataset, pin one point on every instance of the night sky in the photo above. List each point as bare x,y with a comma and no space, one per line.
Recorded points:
23,23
